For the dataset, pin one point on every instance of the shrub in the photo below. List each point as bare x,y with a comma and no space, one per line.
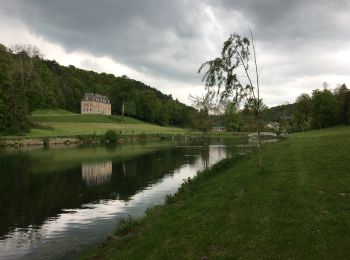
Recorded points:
111,136
126,225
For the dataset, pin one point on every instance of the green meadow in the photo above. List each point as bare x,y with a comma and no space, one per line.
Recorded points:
58,122
296,207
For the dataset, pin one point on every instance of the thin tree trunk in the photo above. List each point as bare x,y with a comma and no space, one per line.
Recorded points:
258,101
123,112
257,119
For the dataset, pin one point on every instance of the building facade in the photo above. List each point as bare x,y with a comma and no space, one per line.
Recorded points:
219,128
95,104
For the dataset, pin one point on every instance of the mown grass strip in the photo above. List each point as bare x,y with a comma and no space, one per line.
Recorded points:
297,207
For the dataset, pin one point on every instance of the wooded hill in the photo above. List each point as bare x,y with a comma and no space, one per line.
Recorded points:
29,82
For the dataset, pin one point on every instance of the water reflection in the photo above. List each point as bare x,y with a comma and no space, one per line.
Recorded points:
96,173
57,203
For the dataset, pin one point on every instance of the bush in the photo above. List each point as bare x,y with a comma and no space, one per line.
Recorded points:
111,136
126,225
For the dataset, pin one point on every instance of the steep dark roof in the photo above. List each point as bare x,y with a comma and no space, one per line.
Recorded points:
96,98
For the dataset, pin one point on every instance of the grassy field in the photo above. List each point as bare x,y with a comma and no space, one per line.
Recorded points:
58,122
297,207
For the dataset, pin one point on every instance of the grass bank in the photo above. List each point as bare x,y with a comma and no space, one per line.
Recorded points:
59,122
297,208
62,123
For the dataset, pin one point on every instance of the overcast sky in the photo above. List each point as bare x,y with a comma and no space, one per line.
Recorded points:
162,43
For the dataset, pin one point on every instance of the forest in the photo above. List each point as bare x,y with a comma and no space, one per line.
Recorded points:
324,108
29,82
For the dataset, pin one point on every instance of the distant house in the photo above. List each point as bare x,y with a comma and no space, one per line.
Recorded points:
262,134
274,126
95,104
219,129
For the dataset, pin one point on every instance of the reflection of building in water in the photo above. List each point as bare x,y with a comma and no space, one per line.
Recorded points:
96,173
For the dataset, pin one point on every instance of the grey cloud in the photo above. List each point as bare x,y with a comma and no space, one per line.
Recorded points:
146,35
170,39
293,20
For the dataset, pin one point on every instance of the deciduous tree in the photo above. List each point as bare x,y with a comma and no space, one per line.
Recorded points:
231,117
342,94
201,120
223,76
302,112
323,109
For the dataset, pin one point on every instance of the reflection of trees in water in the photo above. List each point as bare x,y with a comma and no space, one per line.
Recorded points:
205,154
27,198
133,175
96,173
13,189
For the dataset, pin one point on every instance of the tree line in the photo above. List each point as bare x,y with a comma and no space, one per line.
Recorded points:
29,82
324,108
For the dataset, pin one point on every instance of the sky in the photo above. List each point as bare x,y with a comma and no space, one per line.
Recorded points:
300,44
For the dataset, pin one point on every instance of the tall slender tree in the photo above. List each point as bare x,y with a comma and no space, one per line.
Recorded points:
222,76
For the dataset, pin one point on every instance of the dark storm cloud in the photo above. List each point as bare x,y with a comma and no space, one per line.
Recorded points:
293,20
151,36
171,38
305,38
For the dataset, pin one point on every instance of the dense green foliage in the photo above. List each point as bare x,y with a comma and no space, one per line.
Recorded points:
296,208
202,120
111,136
29,82
231,117
16,81
242,120
323,109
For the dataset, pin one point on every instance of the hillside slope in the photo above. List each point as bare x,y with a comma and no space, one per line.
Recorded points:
29,82
63,123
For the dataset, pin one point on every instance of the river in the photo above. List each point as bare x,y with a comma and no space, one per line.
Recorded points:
58,202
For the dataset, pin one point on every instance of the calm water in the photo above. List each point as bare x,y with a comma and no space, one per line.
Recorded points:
56,203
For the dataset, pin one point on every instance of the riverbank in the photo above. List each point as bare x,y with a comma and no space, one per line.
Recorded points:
61,127
296,207
22,142
52,141
98,185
